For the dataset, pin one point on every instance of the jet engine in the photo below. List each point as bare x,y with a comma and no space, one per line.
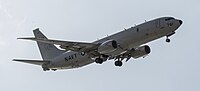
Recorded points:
107,47
140,51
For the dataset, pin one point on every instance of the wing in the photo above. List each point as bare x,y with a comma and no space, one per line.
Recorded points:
68,45
35,62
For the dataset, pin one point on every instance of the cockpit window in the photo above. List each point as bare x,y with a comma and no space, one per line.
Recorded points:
169,19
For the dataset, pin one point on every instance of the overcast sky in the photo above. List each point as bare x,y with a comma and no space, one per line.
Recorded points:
171,66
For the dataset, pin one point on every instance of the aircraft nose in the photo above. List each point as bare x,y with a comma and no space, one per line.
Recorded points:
180,21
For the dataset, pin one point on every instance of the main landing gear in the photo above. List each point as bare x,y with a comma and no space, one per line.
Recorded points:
99,60
118,63
103,58
45,69
54,69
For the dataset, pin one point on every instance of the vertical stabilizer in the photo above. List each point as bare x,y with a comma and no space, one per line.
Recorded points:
48,51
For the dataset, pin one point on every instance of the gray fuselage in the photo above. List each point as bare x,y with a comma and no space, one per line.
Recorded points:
127,39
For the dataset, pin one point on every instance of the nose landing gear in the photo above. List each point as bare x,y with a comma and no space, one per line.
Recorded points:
167,40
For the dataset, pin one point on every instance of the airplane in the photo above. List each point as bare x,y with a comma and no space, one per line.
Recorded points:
126,44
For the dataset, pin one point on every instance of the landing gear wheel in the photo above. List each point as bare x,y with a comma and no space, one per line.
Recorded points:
167,40
46,69
99,60
54,69
118,63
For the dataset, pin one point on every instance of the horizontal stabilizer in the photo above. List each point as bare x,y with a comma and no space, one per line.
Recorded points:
35,62
30,38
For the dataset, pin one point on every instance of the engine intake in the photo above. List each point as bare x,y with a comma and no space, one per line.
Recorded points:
141,51
147,49
107,47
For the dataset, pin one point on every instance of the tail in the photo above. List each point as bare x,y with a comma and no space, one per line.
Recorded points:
48,51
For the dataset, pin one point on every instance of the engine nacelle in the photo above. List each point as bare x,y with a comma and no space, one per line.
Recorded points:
141,51
107,47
